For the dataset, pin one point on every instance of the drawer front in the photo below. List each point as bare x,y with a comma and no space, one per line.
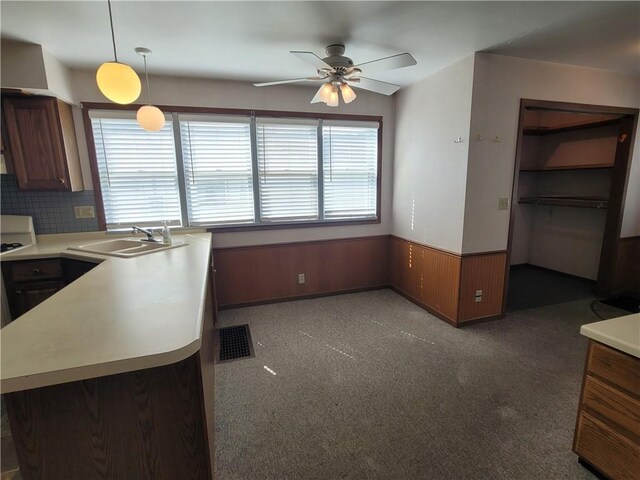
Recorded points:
614,367
613,408
36,270
615,456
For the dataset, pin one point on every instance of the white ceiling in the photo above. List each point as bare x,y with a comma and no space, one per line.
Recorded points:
251,40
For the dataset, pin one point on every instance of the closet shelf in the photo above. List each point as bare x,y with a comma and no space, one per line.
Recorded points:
594,166
567,201
568,128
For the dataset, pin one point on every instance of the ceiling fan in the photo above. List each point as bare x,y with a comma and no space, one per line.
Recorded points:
338,73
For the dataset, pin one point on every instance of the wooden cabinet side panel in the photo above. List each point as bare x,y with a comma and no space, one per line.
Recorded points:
206,364
70,141
145,425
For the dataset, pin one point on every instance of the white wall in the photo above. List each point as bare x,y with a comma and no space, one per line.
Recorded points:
430,169
227,94
499,84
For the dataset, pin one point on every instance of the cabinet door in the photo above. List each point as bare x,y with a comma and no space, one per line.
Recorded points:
74,269
36,143
26,296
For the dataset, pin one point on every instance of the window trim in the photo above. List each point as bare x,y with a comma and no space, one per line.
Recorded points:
172,109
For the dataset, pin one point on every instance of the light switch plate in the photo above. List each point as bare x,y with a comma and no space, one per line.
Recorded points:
84,212
503,203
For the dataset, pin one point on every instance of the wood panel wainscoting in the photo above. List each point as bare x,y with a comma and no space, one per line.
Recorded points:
627,270
445,283
267,273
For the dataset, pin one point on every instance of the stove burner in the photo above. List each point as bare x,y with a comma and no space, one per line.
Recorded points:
5,247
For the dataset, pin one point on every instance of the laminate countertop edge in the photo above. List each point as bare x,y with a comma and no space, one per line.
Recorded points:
622,333
126,314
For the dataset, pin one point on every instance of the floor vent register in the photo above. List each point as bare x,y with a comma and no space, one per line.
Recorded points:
234,343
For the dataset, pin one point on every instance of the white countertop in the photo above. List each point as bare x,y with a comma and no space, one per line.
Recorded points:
622,333
125,314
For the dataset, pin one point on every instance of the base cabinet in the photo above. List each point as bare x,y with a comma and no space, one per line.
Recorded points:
149,424
607,435
30,282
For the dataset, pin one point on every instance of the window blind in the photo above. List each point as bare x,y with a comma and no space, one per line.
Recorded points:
138,174
350,165
287,169
217,167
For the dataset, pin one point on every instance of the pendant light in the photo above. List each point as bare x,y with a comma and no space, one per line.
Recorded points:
118,81
149,117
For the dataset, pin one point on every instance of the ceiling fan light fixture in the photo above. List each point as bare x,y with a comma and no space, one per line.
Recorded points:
348,95
118,81
334,100
149,117
325,91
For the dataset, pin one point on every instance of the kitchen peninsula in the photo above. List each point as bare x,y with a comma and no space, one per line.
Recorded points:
112,377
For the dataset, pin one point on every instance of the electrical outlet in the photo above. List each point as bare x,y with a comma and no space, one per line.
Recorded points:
478,299
478,293
84,212
503,203
301,278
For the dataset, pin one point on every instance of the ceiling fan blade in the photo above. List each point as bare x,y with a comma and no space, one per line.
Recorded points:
376,86
316,98
388,63
312,59
293,80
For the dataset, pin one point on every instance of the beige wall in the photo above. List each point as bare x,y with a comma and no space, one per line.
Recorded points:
499,84
430,169
226,94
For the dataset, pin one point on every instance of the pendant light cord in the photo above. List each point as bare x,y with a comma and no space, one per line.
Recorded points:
147,77
113,36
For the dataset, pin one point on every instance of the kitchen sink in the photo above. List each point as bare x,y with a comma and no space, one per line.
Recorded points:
125,247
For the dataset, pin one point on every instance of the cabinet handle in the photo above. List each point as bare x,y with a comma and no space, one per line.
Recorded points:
36,270
61,180
18,292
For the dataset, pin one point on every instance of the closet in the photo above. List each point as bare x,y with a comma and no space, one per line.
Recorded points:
571,171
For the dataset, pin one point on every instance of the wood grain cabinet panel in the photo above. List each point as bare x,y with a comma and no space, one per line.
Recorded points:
615,367
42,143
614,409
607,432
609,452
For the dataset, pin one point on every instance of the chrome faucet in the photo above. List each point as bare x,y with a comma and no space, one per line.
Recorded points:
148,232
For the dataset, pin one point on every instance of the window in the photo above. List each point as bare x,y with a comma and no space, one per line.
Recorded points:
287,170
235,170
350,170
217,170
138,173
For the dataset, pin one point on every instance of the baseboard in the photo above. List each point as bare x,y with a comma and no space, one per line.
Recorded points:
474,321
303,297
424,306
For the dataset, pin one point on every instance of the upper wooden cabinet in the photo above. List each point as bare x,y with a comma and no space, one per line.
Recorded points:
42,143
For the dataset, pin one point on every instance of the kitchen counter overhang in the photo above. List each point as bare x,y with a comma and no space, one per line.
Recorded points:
126,314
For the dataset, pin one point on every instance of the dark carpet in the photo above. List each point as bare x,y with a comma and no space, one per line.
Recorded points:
369,386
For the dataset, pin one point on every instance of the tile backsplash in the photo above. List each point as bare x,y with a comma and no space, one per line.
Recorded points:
52,212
